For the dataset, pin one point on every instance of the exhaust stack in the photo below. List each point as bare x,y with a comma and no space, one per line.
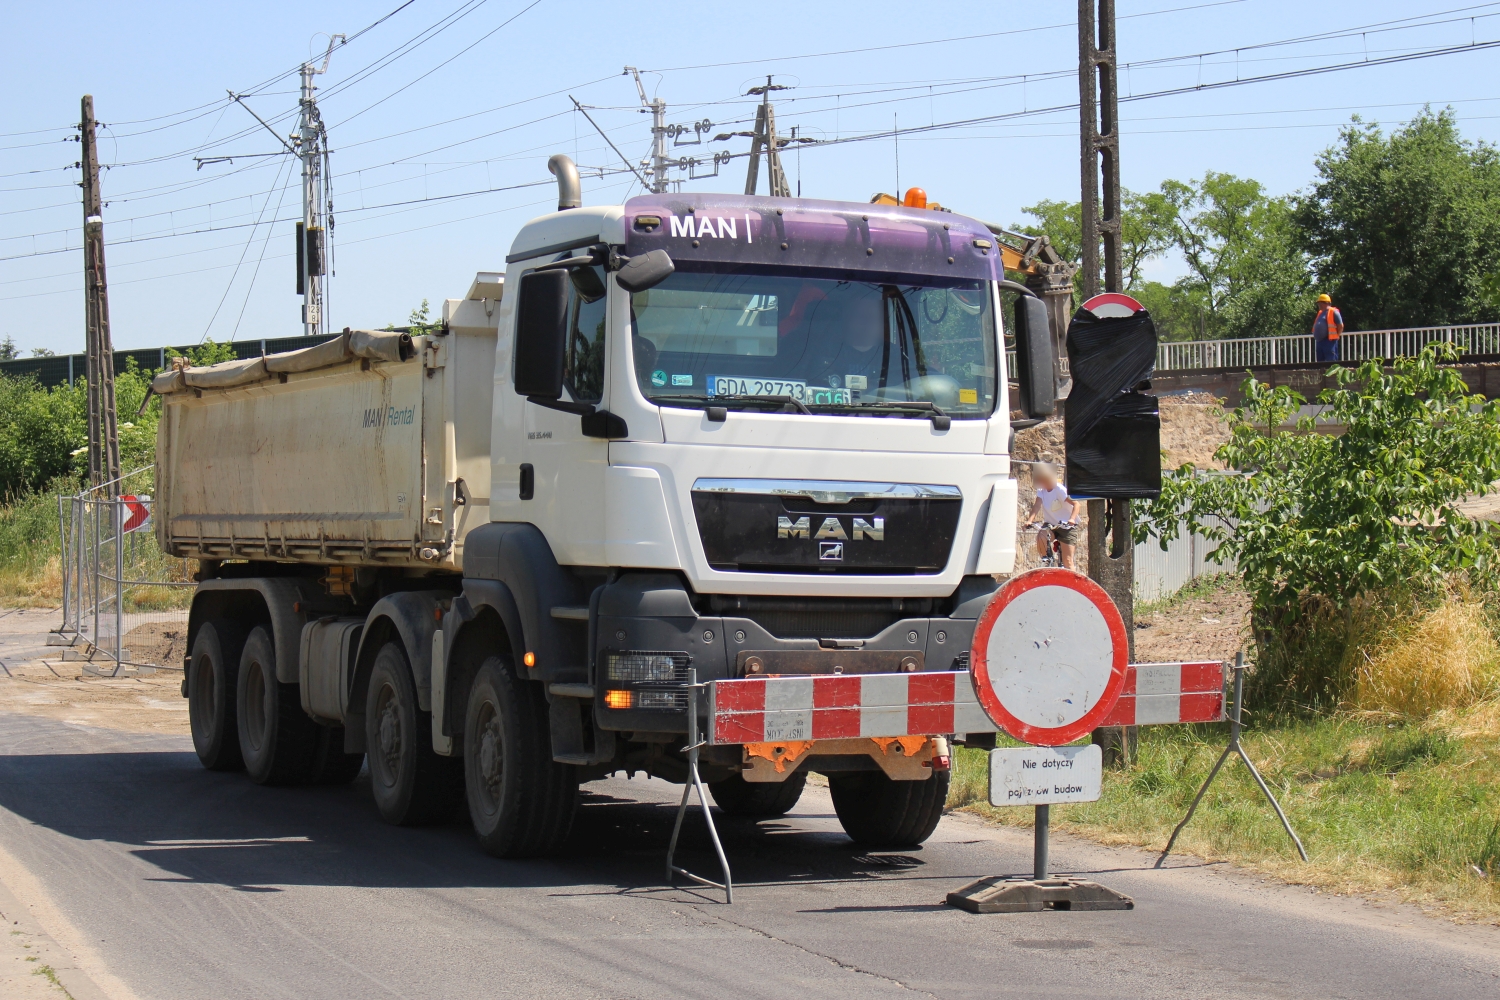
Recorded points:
569,190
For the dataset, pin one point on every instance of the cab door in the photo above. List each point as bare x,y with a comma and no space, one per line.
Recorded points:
568,467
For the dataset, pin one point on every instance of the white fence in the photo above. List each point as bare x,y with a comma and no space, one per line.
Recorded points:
1476,338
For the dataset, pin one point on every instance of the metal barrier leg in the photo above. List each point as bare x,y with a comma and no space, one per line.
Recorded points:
1235,747
695,743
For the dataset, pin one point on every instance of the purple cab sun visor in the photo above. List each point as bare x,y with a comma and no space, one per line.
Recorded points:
726,232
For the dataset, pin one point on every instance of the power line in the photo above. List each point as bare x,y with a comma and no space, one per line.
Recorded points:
446,62
265,205
217,103
1287,75
932,41
1291,74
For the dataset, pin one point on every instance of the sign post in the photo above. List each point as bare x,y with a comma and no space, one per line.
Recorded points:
1049,661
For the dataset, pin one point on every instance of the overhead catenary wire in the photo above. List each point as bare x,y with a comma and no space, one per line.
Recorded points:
254,226
931,41
482,38
256,273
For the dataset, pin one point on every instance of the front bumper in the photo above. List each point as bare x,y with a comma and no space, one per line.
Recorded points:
721,648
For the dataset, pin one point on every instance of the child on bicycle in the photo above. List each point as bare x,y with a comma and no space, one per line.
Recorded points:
1057,511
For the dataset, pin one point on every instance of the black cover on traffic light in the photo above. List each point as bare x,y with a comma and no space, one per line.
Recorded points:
1112,429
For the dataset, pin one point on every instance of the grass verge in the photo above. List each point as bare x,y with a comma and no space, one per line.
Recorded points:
1407,810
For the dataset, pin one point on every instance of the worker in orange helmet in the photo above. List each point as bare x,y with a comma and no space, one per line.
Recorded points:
1326,329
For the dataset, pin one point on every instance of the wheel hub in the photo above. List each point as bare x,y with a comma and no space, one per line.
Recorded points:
390,732
491,760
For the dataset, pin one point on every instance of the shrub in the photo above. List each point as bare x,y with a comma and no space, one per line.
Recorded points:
1318,523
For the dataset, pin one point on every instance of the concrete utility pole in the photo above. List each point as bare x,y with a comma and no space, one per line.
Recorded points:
765,136
1098,116
311,143
104,439
657,168
1111,551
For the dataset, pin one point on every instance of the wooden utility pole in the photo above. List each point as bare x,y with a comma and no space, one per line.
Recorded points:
1111,551
104,439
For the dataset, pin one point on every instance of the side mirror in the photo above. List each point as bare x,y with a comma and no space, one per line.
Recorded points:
646,270
541,334
1034,362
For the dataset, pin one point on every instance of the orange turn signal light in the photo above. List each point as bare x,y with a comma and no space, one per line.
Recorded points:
617,699
529,659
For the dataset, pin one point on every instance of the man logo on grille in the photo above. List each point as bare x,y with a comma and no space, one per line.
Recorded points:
873,529
831,551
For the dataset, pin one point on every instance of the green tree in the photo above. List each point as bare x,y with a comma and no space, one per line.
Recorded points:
1405,228
1145,228
1241,250
8,349
418,322
210,352
39,430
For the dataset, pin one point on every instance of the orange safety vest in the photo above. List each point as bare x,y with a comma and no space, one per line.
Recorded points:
1331,320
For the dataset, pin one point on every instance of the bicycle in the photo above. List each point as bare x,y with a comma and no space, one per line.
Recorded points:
1054,549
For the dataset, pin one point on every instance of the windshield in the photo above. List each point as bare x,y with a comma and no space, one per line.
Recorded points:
708,337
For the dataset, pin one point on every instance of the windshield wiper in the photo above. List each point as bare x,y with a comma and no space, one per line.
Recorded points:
796,405
940,420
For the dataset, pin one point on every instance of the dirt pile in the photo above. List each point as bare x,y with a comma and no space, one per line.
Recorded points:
1192,428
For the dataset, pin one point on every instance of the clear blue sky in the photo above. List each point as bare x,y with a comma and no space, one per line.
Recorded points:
395,137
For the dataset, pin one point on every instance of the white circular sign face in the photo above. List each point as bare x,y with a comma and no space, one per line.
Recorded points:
1050,657
1113,305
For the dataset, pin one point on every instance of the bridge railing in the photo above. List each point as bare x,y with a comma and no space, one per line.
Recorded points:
1245,352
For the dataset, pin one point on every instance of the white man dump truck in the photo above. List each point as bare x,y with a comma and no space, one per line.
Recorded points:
701,435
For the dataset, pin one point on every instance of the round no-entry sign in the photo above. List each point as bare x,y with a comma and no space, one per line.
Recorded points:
1049,656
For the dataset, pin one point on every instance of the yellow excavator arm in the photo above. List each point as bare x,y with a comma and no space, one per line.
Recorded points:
1022,254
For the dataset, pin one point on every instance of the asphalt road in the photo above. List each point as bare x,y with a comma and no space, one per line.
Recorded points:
167,881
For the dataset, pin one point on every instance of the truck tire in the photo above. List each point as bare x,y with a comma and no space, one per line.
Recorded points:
277,739
412,785
878,812
521,801
213,673
765,800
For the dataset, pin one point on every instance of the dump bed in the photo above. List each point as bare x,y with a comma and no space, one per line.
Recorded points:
372,449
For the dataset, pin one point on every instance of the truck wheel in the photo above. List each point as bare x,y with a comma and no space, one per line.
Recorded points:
520,800
279,742
879,812
412,785
737,797
213,671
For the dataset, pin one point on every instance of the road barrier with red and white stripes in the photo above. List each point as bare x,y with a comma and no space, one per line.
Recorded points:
842,706
1157,693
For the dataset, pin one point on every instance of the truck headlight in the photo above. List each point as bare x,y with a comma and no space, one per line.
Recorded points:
638,668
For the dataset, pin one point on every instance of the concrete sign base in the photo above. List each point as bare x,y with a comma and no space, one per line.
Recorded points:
999,894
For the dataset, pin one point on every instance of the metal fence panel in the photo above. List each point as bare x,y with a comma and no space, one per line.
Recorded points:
125,602
1161,574
1360,345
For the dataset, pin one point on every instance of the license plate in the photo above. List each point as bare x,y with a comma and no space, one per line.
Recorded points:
735,385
